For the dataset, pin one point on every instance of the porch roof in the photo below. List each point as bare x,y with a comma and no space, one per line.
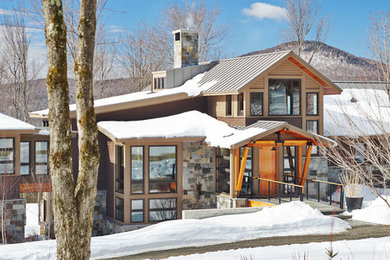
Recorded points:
194,125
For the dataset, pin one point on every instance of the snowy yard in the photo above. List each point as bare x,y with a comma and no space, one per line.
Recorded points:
295,218
32,227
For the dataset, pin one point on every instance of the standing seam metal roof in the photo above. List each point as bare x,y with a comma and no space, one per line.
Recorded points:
361,84
232,74
266,125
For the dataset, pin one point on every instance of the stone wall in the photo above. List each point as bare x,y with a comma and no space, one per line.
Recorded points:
198,176
99,213
319,170
16,219
111,226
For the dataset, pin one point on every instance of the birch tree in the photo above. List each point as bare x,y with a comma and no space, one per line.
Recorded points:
73,203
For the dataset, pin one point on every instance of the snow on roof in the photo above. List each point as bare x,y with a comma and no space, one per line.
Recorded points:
185,125
9,123
190,88
357,112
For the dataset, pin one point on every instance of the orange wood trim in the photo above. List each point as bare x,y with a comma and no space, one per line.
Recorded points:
242,169
35,187
306,166
236,164
285,143
299,163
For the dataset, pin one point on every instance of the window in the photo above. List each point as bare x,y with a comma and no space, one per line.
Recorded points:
7,157
240,106
256,100
229,105
312,127
159,83
24,158
284,96
162,209
41,157
120,169
312,104
119,209
137,211
177,36
137,169
359,152
162,169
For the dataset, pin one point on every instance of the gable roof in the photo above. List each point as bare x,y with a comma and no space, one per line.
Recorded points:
231,75
8,123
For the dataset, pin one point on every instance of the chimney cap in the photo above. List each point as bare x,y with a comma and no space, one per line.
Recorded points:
185,31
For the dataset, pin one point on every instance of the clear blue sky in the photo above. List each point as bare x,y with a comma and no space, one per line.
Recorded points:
348,31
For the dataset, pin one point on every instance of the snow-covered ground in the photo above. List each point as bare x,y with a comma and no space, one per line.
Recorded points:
295,218
372,248
376,212
32,227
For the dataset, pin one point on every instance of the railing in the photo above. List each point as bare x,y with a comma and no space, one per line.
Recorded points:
289,188
329,184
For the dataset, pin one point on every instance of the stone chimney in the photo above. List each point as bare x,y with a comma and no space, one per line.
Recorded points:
185,48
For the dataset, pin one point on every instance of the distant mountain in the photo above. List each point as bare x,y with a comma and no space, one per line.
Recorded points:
336,64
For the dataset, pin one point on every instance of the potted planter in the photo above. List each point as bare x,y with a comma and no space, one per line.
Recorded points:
352,185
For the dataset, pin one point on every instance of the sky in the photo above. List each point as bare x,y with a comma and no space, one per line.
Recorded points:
254,25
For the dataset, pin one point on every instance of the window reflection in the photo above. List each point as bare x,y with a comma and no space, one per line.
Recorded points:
284,96
162,169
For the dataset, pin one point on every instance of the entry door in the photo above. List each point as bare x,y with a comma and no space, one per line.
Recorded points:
267,170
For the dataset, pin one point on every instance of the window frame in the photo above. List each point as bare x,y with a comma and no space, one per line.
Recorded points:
120,150
137,210
176,169
228,105
162,209
29,158
116,209
262,103
317,103
240,104
143,170
40,163
300,97
13,157
315,150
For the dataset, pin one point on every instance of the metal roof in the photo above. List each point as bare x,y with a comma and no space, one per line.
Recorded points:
362,85
231,75
266,125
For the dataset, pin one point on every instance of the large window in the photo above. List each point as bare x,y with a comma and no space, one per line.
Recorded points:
312,104
7,157
41,157
162,209
137,169
284,96
162,169
120,169
312,127
228,109
256,100
24,158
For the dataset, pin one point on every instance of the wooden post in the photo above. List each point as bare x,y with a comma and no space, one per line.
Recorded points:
306,165
242,170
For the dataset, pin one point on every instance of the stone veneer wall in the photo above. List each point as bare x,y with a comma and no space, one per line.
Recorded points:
318,169
111,226
198,176
99,213
16,219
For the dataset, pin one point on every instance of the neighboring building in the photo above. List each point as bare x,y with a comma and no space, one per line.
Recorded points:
23,168
180,145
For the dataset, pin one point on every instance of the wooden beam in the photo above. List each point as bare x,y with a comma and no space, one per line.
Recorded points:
283,143
299,164
242,170
306,166
236,164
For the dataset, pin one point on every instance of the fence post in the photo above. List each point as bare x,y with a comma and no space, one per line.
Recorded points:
318,191
307,189
330,195
269,191
279,194
341,197
300,194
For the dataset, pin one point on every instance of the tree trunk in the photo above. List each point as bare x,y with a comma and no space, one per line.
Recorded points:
72,205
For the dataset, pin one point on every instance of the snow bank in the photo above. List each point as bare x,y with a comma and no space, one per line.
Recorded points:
371,248
295,218
377,212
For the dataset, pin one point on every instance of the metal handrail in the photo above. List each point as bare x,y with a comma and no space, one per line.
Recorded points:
279,183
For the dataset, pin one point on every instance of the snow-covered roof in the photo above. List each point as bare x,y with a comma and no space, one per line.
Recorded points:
8,123
357,112
190,88
192,124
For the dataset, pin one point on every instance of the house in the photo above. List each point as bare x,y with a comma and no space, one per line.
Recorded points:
23,168
207,129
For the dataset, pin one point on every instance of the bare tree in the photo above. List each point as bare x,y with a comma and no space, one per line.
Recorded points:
190,14
73,203
303,20
18,70
138,56
379,45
